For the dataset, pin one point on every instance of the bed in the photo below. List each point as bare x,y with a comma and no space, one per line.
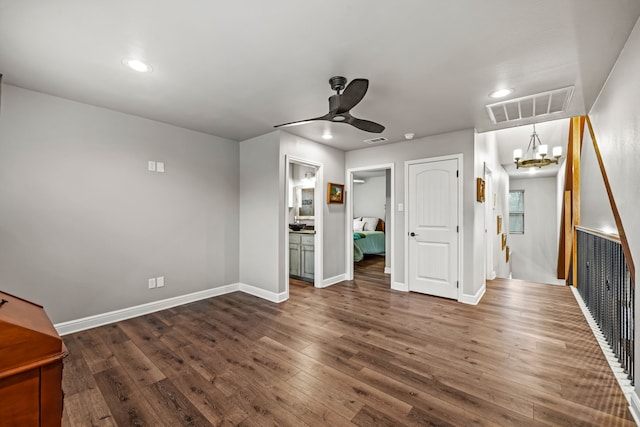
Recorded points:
368,240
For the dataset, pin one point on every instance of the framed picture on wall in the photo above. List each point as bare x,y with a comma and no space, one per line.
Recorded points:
504,241
499,225
335,193
480,190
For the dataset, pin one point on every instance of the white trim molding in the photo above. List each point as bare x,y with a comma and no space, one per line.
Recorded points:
474,299
387,270
614,364
634,407
94,321
333,280
264,294
399,286
102,319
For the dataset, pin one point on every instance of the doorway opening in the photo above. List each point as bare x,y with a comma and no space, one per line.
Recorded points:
370,215
303,222
489,215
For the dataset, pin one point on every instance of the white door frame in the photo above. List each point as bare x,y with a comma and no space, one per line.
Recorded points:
318,200
458,157
390,227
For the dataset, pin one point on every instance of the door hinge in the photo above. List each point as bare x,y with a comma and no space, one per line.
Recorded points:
457,174
457,284
457,228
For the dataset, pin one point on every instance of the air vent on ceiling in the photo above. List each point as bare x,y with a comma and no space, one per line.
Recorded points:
376,140
540,104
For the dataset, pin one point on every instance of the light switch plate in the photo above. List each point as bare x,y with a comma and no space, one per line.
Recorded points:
400,207
160,167
152,283
160,281
152,166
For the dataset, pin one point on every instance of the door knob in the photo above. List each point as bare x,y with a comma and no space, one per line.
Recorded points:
412,234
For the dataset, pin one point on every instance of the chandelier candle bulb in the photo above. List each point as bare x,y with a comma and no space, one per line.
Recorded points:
557,151
542,150
517,153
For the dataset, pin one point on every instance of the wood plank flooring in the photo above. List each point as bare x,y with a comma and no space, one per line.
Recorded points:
355,353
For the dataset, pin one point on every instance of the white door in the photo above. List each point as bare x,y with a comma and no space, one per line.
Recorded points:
433,228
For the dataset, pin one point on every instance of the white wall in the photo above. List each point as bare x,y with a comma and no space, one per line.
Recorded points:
369,198
535,253
259,212
616,121
486,152
83,224
432,146
560,198
595,209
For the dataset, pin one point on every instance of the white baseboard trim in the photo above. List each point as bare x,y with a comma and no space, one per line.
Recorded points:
333,280
474,299
634,407
623,382
491,275
264,294
397,286
89,322
387,270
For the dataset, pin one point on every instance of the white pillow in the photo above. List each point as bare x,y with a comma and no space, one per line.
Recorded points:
370,223
358,225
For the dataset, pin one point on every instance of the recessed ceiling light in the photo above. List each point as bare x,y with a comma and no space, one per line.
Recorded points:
327,136
409,135
137,65
501,93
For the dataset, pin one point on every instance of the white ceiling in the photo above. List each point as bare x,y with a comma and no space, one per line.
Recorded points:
236,69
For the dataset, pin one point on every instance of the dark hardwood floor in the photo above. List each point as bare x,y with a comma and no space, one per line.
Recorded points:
353,353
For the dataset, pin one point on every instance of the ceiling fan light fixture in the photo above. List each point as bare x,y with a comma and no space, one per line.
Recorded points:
138,65
501,93
339,119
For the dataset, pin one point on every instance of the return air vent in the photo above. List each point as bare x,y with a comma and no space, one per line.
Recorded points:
538,105
377,140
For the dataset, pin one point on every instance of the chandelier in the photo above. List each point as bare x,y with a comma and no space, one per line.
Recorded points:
536,155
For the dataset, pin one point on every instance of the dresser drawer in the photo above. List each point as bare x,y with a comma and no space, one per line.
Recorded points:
295,238
307,239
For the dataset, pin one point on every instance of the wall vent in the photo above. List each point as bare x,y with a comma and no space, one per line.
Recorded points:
537,105
375,140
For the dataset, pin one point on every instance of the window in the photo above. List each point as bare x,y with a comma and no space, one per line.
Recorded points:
516,212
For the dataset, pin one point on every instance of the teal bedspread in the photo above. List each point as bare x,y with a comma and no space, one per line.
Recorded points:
372,243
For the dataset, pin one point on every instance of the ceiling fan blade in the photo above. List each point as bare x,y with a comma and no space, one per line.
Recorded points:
353,94
365,125
301,122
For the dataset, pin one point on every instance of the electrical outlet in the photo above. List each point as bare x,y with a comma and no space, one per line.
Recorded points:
160,281
152,166
152,283
160,167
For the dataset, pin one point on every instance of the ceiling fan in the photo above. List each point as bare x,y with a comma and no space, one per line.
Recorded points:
341,103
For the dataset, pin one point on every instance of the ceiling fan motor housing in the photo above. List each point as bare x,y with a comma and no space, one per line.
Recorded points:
337,83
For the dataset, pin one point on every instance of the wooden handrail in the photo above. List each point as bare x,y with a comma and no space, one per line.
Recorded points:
600,233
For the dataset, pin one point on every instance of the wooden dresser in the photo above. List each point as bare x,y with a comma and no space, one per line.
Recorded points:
31,353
